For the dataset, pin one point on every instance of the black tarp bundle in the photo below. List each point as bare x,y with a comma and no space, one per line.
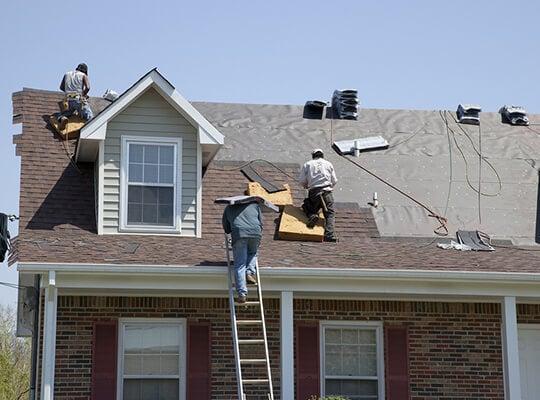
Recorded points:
4,236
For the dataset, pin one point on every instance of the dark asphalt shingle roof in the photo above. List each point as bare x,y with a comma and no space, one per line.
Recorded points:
58,219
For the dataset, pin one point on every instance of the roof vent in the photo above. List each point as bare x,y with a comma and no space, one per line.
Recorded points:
469,114
514,115
110,95
345,104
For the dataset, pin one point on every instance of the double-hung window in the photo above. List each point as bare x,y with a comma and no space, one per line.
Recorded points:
151,183
152,360
352,360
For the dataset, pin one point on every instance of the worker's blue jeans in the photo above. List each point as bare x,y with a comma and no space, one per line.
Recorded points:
74,105
245,261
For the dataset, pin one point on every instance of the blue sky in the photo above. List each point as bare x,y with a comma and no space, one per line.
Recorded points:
398,54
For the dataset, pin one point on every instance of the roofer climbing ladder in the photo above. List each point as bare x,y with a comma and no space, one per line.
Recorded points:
249,338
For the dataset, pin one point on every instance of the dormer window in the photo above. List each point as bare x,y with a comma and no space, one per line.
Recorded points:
150,147
151,183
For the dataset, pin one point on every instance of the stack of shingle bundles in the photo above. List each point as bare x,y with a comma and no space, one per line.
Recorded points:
469,114
345,104
514,115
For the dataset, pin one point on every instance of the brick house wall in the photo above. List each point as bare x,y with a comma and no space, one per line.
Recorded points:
454,348
76,316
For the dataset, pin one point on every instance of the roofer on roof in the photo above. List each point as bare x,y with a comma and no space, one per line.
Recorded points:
244,223
76,85
319,177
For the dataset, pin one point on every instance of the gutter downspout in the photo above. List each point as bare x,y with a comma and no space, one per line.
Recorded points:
35,339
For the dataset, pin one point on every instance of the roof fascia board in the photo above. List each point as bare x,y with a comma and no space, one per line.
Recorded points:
342,273
194,280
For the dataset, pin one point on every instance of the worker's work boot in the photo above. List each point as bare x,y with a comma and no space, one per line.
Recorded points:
332,239
241,299
62,122
312,221
251,280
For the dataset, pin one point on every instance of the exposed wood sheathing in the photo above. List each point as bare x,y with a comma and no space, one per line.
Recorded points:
281,198
293,226
72,128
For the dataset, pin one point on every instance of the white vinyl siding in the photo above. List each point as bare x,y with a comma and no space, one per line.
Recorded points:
150,116
351,360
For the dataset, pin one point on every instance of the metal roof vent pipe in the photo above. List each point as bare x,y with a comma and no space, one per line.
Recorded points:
514,115
469,114
345,104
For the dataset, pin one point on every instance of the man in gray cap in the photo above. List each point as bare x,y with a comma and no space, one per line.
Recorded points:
76,85
318,176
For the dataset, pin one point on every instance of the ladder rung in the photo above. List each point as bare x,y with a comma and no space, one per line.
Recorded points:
253,361
254,381
248,322
250,303
250,341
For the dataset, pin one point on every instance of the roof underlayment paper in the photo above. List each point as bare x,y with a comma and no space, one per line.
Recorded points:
419,160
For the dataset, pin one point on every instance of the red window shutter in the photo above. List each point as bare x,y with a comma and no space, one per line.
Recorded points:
104,357
397,363
199,376
307,361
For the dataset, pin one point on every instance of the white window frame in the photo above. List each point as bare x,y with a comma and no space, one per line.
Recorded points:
182,376
177,184
377,326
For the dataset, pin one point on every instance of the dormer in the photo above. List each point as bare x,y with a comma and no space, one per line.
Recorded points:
149,147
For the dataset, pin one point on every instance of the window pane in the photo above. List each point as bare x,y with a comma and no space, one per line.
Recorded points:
170,339
368,365
349,336
132,340
135,172
165,215
166,155
150,195
351,388
150,173
134,213
150,154
151,365
135,153
166,174
351,361
149,214
367,336
151,389
333,336
169,365
166,196
135,194
152,339
132,389
333,360
132,365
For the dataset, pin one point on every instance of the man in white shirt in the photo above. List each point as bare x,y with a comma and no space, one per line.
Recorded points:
319,177
76,85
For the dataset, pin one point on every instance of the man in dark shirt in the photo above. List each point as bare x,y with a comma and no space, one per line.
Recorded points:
244,223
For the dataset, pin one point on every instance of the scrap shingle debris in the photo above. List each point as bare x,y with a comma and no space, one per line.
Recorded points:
255,176
469,240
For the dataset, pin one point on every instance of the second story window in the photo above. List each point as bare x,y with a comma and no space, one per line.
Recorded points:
150,188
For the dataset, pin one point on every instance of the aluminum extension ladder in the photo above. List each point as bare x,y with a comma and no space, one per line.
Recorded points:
241,360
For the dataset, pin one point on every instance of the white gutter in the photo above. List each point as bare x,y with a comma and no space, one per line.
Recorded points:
397,274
